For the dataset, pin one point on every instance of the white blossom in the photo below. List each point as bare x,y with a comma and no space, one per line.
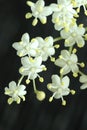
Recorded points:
63,15
83,80
39,11
74,35
16,92
31,67
25,46
45,47
59,87
79,3
68,62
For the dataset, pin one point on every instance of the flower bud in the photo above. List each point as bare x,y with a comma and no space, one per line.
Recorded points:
40,95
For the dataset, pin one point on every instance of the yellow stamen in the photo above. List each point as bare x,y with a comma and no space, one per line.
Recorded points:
74,51
31,59
61,71
21,70
35,21
78,10
64,102
49,86
80,45
41,79
72,92
81,25
85,36
40,95
10,100
44,68
52,59
20,54
50,99
29,3
27,81
75,75
82,65
57,46
28,15
43,21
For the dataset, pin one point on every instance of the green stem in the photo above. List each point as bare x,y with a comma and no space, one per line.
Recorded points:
34,86
57,39
70,49
81,73
61,76
20,80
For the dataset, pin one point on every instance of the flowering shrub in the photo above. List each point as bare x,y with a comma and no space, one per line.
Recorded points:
34,52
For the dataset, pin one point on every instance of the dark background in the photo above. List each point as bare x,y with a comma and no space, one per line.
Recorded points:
32,114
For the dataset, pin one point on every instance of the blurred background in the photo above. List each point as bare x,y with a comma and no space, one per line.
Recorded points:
32,114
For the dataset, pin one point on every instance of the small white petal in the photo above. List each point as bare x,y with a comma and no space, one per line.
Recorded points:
84,86
54,7
25,37
55,80
25,61
74,58
12,85
65,81
75,68
83,78
60,62
66,69
47,11
17,46
65,54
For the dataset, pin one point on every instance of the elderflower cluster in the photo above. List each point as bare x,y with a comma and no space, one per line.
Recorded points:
34,52
63,14
35,47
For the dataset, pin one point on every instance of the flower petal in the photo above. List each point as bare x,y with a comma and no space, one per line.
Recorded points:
83,79
60,62
25,38
65,81
84,86
55,80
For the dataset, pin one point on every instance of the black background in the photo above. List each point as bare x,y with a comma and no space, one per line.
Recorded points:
32,114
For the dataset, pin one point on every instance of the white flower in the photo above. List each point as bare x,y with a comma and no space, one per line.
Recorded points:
45,47
63,15
74,35
59,87
39,11
79,3
16,92
25,47
83,79
31,67
68,62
